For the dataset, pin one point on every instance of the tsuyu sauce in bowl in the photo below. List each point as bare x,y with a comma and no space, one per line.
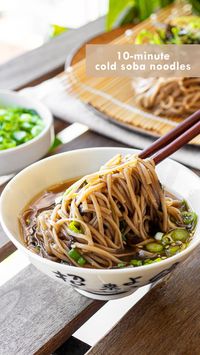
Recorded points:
139,253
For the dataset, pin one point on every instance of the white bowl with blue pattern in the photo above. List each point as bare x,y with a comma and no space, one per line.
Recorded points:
94,283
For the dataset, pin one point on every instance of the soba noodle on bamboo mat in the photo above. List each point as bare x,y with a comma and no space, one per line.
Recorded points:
152,105
53,93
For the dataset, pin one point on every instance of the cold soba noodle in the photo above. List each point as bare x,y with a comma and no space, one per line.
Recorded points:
175,97
168,97
120,216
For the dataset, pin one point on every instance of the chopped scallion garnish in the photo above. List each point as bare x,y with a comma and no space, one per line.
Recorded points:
136,262
75,227
18,126
76,256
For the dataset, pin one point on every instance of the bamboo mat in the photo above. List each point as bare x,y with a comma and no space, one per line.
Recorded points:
113,97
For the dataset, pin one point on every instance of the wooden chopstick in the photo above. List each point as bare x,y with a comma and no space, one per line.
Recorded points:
171,136
177,143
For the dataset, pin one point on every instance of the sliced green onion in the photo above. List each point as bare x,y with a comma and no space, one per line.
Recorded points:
189,218
154,247
75,227
172,250
157,260
6,144
180,235
25,117
17,126
121,265
35,130
166,239
136,262
148,261
184,205
26,125
19,136
76,256
81,261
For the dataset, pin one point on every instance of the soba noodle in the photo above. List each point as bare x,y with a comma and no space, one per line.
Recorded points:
172,97
106,219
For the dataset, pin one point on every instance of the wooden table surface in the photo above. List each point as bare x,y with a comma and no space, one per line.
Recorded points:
165,321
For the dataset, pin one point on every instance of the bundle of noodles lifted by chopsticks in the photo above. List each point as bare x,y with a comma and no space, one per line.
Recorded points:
108,215
172,97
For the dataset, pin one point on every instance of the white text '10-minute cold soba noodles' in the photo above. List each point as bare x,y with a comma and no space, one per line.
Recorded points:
120,216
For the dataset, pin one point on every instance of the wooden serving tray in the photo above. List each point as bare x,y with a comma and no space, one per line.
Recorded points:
113,98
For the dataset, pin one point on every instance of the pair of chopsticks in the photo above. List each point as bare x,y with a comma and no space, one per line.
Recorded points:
174,140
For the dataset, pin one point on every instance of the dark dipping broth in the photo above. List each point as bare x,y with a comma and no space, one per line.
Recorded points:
118,217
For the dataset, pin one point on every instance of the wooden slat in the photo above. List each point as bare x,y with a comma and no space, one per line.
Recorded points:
59,125
6,249
72,346
89,140
38,314
165,321
46,59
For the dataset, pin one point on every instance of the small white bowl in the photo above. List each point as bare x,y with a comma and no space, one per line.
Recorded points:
94,283
14,159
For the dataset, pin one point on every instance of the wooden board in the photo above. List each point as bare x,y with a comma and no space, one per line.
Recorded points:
166,321
113,98
38,314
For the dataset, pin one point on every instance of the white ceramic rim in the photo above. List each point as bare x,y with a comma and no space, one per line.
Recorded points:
38,258
47,122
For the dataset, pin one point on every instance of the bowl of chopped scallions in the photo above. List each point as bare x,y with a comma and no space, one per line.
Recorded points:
26,131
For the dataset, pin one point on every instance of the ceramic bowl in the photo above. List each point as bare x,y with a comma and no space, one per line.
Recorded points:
14,159
94,283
